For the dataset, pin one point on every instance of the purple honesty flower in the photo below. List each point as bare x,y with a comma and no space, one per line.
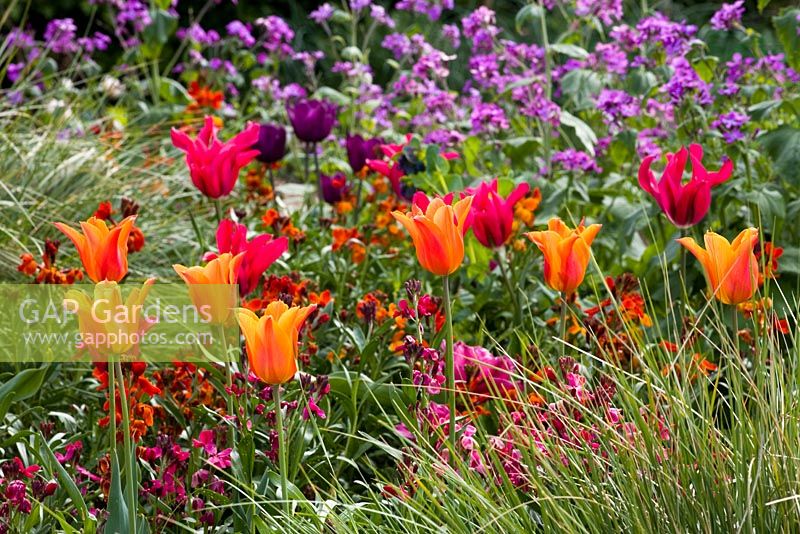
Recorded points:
278,35
432,8
479,27
452,34
685,81
488,118
378,14
197,34
616,106
730,125
241,31
728,16
322,13
675,37
358,5
398,44
609,56
59,35
575,160
607,11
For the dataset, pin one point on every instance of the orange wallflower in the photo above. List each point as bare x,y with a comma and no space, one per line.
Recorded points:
103,251
213,288
271,340
566,253
731,268
437,232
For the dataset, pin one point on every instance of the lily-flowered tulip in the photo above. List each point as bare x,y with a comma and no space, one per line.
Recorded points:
213,165
211,287
493,216
334,188
271,144
566,253
108,324
271,341
731,268
259,253
103,251
312,120
397,164
359,150
684,204
437,230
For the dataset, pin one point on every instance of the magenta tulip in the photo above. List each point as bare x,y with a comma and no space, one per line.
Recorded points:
493,216
259,253
684,204
213,165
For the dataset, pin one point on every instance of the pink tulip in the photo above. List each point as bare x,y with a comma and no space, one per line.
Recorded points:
213,165
260,252
684,204
493,216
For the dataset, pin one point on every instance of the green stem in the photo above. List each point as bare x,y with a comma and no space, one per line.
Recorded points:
451,372
547,128
112,406
276,394
735,332
563,323
271,178
230,405
130,465
509,286
218,209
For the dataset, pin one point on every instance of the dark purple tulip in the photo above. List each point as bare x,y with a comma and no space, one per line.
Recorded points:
271,143
312,120
359,150
334,188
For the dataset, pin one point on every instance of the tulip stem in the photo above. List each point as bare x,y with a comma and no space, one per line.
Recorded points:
276,394
112,405
306,161
218,209
735,332
451,372
509,285
563,323
130,461
231,408
271,178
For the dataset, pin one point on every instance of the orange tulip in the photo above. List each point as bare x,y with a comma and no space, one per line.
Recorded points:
731,268
566,253
437,230
271,341
213,288
103,251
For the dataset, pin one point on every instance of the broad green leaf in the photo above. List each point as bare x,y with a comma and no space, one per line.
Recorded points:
582,86
117,522
783,146
21,386
69,486
786,26
527,17
570,50
583,132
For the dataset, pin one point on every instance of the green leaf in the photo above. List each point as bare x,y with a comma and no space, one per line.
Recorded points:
157,33
117,522
20,387
329,93
570,50
783,146
527,16
583,132
770,203
582,86
786,26
762,110
762,4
